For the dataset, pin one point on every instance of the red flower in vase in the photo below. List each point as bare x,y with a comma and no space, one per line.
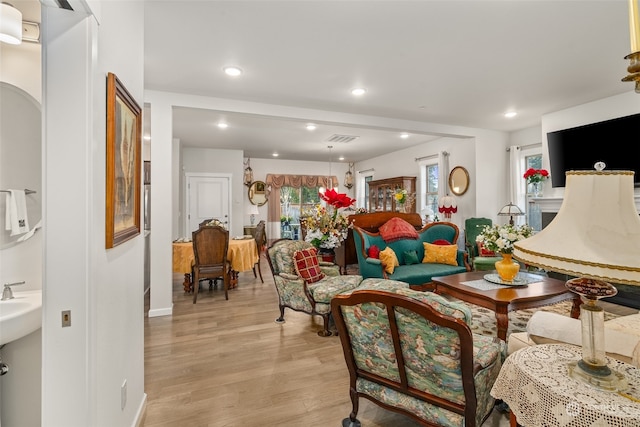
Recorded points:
335,199
535,175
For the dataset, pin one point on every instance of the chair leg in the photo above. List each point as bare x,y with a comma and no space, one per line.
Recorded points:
325,332
281,318
196,287
259,271
226,279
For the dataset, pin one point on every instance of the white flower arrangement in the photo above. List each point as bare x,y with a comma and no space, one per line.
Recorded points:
500,238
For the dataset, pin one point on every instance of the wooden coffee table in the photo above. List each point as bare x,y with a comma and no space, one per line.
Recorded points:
545,291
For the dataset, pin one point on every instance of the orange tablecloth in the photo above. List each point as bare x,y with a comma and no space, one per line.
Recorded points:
242,255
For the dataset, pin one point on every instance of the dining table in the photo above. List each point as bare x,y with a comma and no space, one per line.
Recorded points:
242,256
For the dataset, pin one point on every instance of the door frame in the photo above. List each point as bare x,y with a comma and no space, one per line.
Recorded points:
188,176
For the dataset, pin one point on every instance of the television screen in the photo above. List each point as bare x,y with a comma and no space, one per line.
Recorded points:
615,142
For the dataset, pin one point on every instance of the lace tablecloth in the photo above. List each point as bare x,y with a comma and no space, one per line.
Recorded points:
535,384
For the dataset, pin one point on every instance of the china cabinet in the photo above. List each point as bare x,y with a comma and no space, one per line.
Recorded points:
381,193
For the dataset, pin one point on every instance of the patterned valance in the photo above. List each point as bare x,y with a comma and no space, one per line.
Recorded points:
297,181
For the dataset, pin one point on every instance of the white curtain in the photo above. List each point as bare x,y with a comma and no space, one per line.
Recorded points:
443,172
517,189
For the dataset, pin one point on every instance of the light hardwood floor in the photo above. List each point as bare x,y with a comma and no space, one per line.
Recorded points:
227,363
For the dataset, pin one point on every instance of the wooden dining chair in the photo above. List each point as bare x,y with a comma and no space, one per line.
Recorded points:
261,241
210,247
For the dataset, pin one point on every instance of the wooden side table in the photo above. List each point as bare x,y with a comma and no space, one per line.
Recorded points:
535,383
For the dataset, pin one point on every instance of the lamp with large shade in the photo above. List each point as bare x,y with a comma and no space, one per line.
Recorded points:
595,237
447,205
10,24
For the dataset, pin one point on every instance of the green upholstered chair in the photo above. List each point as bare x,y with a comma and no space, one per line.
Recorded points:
413,353
472,228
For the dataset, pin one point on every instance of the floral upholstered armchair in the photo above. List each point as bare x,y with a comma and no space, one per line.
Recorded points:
304,283
413,352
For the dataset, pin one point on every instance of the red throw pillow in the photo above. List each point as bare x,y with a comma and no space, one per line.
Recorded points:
397,229
441,242
306,262
482,251
374,252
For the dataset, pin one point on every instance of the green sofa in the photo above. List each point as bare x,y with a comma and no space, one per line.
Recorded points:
420,275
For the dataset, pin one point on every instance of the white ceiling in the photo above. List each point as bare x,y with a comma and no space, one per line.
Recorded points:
460,63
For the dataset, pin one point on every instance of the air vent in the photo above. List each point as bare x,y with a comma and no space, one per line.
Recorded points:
341,138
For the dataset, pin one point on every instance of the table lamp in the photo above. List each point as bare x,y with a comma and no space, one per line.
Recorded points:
252,211
447,205
510,210
595,237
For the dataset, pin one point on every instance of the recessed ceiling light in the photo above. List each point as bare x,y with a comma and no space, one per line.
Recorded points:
341,158
232,71
404,135
222,125
311,126
275,154
358,91
510,114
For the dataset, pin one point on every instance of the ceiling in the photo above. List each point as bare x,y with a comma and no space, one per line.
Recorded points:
461,63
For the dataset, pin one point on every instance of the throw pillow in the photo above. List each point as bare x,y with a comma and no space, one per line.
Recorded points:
389,260
307,266
441,242
410,257
374,252
482,251
440,254
397,229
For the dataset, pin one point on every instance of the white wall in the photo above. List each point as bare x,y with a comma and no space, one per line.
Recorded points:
85,365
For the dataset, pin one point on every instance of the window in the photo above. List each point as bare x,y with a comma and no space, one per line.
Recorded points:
293,202
532,161
430,185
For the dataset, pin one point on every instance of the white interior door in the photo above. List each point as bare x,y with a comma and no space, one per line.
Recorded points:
207,198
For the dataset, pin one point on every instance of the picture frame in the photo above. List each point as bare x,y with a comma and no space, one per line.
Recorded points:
123,164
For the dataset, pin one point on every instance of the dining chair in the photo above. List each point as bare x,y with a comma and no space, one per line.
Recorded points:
261,241
210,247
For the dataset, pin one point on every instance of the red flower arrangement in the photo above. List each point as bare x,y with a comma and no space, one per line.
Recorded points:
335,199
535,175
326,228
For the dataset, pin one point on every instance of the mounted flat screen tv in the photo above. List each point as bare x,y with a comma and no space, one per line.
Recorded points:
615,142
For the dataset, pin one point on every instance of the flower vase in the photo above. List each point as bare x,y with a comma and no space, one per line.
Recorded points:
401,208
537,189
507,269
327,255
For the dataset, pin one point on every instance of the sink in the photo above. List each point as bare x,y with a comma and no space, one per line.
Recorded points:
21,315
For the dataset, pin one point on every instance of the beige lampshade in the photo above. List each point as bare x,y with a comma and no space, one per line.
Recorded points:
596,233
252,209
10,24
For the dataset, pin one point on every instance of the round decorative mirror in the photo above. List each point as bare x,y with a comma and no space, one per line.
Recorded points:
258,193
458,180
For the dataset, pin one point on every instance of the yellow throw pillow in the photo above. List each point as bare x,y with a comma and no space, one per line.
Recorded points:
389,260
440,254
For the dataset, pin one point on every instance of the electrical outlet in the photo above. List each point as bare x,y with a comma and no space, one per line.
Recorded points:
66,318
123,395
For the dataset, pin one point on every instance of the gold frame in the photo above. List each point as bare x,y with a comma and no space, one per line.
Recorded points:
458,180
123,164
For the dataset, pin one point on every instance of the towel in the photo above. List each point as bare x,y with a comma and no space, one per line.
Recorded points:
29,234
16,213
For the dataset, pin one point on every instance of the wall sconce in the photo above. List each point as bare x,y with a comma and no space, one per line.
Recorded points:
10,24
248,173
348,177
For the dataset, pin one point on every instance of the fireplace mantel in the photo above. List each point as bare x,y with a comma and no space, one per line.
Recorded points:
552,204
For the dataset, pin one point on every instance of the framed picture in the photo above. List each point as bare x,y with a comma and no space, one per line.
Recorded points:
124,130
259,187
